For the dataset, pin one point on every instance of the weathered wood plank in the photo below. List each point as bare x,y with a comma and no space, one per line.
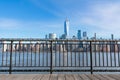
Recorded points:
25,76
11,77
69,77
118,75
99,77
114,76
19,76
53,77
92,77
37,77
76,77
3,77
45,77
107,77
84,77
61,77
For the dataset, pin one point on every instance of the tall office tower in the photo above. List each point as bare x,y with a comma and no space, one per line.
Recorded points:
95,36
46,37
66,28
112,36
84,34
79,34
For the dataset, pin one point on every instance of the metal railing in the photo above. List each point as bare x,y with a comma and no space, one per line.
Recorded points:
39,55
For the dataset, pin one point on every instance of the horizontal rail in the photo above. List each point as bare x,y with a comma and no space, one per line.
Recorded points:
59,55
38,39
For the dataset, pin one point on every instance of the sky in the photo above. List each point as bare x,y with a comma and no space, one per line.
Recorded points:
36,18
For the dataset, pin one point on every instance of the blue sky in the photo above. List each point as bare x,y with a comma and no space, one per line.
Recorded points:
36,18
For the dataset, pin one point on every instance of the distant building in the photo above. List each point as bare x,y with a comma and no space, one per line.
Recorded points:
52,36
74,37
46,37
95,36
79,34
112,36
3,46
85,35
63,36
66,28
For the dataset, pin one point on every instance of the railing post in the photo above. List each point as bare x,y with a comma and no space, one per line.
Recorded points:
51,51
91,64
10,68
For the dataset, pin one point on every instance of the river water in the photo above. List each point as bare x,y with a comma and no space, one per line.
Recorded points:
70,60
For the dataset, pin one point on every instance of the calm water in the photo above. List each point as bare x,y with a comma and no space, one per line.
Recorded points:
60,59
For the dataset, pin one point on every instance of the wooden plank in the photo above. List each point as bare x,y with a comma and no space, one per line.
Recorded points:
114,76
19,76
53,77
118,75
84,77
107,77
45,77
99,77
61,77
69,77
37,77
76,77
91,77
26,77
3,77
40,77
11,77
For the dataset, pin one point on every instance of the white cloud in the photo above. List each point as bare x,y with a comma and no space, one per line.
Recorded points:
6,23
107,15
17,28
104,16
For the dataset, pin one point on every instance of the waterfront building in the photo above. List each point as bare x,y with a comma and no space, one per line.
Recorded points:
66,28
63,36
74,37
46,37
85,35
112,36
3,46
95,36
52,36
79,34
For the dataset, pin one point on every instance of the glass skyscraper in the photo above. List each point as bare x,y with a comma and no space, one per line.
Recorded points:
79,34
84,34
66,28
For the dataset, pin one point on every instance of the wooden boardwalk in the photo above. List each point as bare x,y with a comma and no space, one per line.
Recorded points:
60,77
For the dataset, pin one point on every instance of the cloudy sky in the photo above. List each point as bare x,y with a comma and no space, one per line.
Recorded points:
36,18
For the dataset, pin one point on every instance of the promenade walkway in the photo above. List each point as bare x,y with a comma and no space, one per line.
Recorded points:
59,77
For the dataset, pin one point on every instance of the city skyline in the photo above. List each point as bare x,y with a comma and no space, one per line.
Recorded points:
36,18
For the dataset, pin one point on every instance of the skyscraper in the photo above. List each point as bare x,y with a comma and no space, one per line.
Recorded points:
66,28
85,35
112,36
79,34
95,36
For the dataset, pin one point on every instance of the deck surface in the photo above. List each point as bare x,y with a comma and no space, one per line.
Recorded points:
60,77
